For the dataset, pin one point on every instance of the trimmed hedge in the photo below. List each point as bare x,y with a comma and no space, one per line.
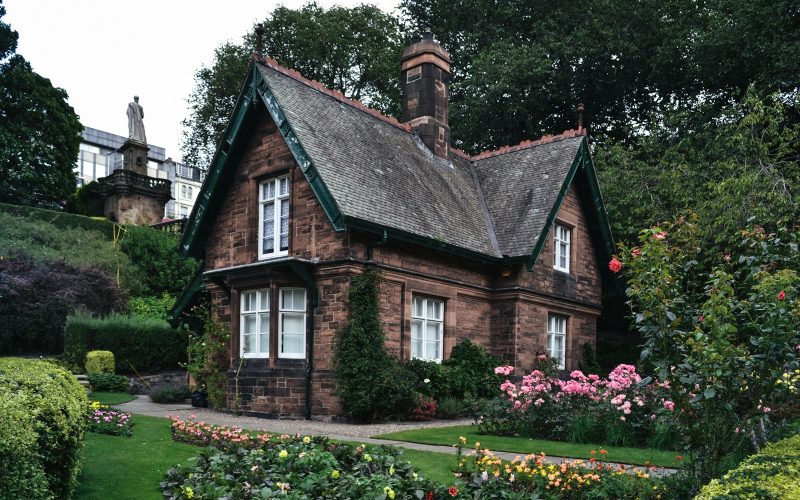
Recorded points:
140,345
100,362
773,473
42,425
62,219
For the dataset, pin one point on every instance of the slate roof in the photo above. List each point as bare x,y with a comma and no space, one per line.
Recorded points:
492,205
521,188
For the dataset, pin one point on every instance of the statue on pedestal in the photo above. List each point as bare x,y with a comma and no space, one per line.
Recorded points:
135,123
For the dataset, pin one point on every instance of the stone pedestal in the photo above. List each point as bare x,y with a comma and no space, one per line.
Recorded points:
133,198
134,156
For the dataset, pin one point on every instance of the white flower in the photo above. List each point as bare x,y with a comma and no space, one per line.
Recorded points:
427,381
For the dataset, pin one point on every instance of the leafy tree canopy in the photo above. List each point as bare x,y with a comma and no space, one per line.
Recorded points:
39,132
354,50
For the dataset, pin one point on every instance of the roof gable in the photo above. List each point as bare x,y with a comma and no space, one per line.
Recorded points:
370,172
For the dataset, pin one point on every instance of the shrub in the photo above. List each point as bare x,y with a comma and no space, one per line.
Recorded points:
104,420
364,370
141,345
773,473
37,297
155,254
450,407
471,371
207,354
60,219
424,408
108,382
42,427
170,394
100,362
152,307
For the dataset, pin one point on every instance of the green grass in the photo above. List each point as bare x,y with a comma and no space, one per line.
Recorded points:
130,467
436,466
449,436
111,398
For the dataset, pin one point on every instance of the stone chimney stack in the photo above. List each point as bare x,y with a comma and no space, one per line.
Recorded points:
425,70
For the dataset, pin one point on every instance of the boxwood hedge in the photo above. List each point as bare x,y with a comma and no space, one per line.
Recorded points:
773,473
42,425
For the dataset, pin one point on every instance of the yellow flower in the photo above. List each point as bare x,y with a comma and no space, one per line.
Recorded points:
335,474
189,491
367,458
415,476
283,454
389,492
306,440
391,470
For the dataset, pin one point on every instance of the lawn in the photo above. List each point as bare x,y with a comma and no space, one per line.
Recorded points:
130,467
450,435
111,398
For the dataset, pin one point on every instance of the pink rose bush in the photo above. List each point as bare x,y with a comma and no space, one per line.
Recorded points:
618,409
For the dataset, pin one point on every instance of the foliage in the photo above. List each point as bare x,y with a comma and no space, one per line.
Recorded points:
449,407
39,132
108,382
424,408
520,70
111,398
104,420
589,363
61,220
100,362
207,355
141,345
470,369
155,254
721,331
36,297
730,166
298,467
152,307
363,369
170,394
86,200
772,473
51,406
354,50
619,410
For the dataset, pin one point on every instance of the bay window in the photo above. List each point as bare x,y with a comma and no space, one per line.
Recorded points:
254,324
292,323
557,338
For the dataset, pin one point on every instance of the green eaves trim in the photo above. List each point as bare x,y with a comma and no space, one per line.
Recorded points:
300,155
582,160
203,207
186,297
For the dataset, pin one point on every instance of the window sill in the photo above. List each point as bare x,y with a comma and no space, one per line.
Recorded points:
273,256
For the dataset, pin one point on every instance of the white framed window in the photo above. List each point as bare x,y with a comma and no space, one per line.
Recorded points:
427,324
292,323
273,218
561,241
254,324
184,211
189,194
183,191
557,338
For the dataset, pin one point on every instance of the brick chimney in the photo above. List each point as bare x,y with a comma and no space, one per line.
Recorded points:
425,70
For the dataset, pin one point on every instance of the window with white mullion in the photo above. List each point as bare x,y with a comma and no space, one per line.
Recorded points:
561,240
557,338
427,326
273,216
254,324
292,323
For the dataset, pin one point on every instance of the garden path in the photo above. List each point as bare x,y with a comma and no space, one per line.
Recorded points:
142,405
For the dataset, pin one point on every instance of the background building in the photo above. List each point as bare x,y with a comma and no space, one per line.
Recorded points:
98,157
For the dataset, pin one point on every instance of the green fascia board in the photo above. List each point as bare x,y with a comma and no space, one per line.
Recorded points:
582,161
186,297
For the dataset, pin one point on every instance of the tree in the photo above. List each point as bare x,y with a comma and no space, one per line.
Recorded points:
354,50
39,132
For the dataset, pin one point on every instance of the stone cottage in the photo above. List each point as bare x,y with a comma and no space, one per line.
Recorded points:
507,248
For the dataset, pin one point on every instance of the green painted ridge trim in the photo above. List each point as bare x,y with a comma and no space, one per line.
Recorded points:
416,239
221,156
600,208
186,296
310,172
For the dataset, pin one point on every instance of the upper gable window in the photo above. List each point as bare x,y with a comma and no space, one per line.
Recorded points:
561,254
273,218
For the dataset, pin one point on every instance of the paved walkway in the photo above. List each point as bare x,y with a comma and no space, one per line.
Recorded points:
142,405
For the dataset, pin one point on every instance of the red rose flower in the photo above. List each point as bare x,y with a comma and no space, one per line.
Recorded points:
615,265
660,236
453,491
429,495
782,295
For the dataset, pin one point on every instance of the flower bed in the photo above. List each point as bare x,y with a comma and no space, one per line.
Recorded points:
104,420
619,410
239,464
